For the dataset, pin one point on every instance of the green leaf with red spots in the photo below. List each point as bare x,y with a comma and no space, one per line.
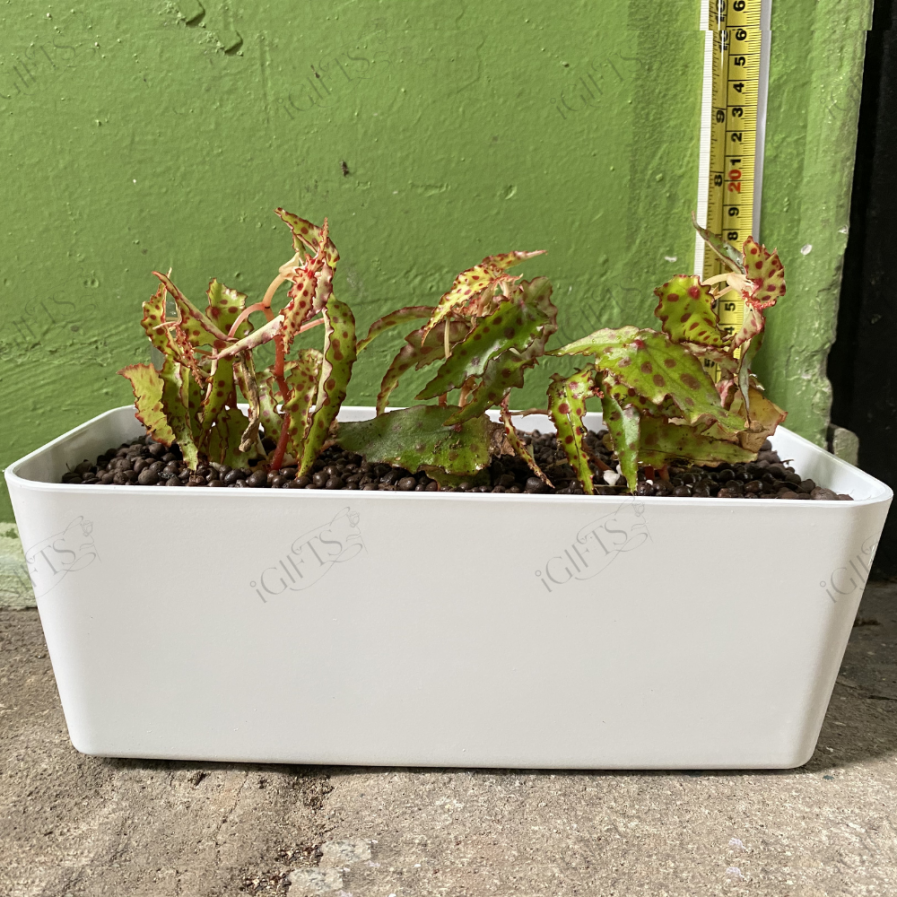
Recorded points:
417,438
506,370
623,425
686,311
153,322
657,369
301,302
176,403
198,326
567,408
301,376
147,385
516,322
339,356
225,306
224,443
627,397
766,274
394,319
307,237
662,442
219,392
418,356
474,282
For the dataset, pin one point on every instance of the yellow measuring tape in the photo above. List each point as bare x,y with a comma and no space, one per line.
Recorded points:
735,67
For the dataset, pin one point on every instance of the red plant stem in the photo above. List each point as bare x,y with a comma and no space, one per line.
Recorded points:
281,449
259,306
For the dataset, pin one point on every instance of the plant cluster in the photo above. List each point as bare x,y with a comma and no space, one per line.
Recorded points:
659,402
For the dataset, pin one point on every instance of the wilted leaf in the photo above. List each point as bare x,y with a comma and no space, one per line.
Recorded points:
725,252
244,371
519,448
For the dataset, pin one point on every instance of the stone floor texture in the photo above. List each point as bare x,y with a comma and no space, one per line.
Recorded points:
76,826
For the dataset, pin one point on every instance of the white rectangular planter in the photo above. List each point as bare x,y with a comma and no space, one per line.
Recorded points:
443,629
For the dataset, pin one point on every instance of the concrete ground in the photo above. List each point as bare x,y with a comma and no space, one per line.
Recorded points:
86,827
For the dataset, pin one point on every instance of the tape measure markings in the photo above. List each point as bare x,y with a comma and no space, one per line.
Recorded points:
736,69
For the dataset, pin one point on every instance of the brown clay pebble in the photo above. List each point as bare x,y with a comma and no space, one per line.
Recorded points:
820,494
257,480
406,484
148,477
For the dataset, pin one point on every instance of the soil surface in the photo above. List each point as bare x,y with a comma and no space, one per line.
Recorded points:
145,462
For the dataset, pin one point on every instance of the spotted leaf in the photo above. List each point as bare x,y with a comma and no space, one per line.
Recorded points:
300,306
301,376
475,281
623,425
514,325
219,392
154,324
417,439
147,385
307,237
225,306
662,442
766,274
224,444
339,356
657,368
686,313
199,327
178,412
567,408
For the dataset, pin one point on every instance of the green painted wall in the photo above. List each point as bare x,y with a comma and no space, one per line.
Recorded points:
157,135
